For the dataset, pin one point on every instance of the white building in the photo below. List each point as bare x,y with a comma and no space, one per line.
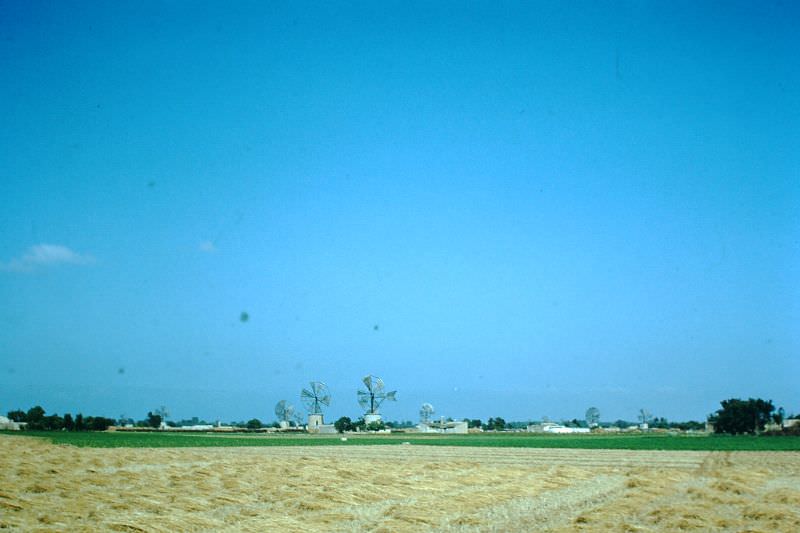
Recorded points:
551,427
8,424
443,427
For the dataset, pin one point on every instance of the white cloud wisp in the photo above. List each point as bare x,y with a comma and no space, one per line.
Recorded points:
45,255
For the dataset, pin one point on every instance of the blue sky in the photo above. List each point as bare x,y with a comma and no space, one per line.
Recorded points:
503,209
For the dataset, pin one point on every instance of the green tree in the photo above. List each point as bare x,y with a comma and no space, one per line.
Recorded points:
52,423
17,416
496,424
254,423
153,420
475,423
69,423
377,425
661,423
79,424
739,416
98,423
35,417
692,425
779,416
343,424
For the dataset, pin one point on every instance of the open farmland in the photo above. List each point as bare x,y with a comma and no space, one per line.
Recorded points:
406,487
633,441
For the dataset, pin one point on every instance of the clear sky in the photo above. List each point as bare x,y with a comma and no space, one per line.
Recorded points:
504,209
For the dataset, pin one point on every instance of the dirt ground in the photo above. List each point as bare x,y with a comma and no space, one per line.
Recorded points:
393,488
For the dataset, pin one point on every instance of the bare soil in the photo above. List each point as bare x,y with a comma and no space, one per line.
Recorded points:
44,487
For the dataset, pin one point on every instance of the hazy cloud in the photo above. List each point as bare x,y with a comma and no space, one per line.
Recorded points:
45,255
208,247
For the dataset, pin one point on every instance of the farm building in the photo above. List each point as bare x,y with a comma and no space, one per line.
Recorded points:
442,427
8,424
786,424
315,425
550,427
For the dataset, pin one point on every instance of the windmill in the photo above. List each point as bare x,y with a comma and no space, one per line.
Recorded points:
314,398
644,418
284,412
372,398
164,414
593,417
425,413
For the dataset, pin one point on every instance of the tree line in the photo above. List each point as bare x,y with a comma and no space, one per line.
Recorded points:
751,416
736,416
37,419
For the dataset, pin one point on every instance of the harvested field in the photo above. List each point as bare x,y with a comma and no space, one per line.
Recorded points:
46,487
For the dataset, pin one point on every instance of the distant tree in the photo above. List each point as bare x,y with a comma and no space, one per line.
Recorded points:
660,423
779,416
254,423
691,425
35,418
377,425
475,423
69,423
622,424
496,424
153,420
17,416
98,423
740,416
79,424
52,423
343,424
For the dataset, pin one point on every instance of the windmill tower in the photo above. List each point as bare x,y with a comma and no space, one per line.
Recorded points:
164,414
284,412
593,417
644,419
373,397
314,398
425,413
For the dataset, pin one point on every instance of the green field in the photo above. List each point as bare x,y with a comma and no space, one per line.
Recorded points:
513,440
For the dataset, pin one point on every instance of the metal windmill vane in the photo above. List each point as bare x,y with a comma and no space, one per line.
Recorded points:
425,412
374,395
315,397
163,413
592,417
284,411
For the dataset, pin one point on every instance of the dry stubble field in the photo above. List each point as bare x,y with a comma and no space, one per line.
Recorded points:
44,487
